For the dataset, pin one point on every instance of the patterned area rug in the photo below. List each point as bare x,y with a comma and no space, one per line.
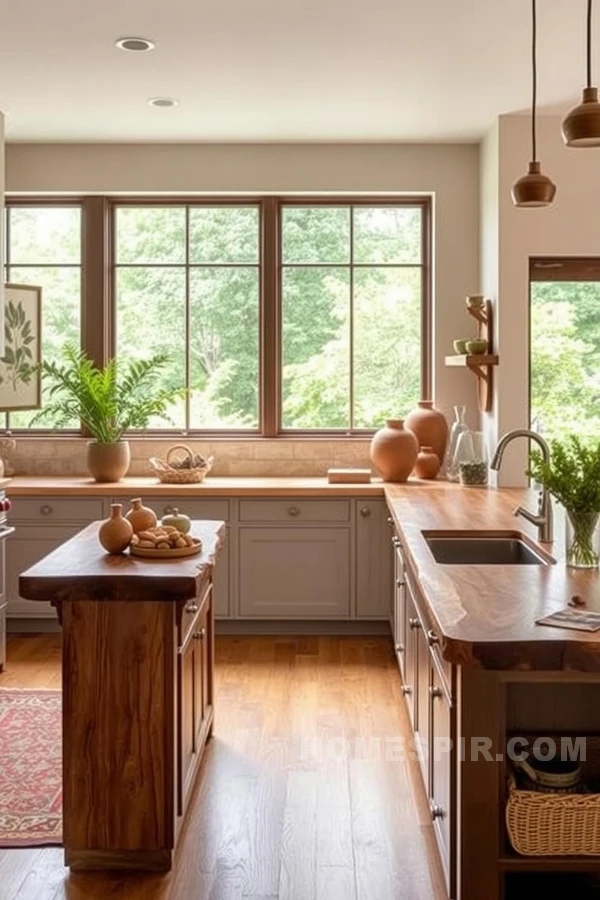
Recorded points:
30,768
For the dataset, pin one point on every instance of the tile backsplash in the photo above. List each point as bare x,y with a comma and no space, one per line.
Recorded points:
260,457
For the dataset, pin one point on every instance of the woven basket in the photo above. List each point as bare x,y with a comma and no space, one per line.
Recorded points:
541,824
170,474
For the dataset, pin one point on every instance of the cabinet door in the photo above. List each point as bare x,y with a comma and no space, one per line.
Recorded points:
199,637
186,719
423,702
413,626
399,617
373,560
442,775
294,573
25,547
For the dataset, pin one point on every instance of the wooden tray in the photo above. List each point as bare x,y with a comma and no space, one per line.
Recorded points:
173,553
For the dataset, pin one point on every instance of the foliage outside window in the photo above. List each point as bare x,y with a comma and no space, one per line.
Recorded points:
565,354
43,247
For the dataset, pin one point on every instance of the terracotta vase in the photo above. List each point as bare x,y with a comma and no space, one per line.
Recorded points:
430,427
141,517
108,462
428,464
115,534
394,451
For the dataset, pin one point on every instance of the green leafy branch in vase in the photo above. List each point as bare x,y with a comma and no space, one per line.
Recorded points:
18,354
572,476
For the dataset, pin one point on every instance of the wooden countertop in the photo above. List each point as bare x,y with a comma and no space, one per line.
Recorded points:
25,486
80,569
485,615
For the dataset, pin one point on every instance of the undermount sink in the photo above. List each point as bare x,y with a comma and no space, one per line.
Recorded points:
500,548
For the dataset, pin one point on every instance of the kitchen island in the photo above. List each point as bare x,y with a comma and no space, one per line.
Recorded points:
137,673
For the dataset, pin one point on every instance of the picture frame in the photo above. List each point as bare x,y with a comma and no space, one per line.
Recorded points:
20,374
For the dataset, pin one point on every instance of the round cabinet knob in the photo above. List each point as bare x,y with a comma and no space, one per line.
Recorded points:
365,511
435,691
432,638
399,582
389,520
168,510
199,635
293,511
395,541
437,812
45,509
414,623
191,607
406,690
399,648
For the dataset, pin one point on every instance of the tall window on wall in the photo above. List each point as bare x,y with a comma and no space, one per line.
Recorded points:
43,247
187,283
353,306
565,347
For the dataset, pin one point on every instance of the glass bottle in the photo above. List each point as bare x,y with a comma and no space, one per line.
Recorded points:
582,539
458,427
471,459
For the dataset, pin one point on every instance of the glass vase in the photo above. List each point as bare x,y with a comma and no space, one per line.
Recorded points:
458,427
471,459
583,539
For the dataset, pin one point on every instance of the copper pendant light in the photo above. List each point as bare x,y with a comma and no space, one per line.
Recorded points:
581,126
534,188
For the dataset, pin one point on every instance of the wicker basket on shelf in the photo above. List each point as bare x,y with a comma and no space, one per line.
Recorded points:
191,468
549,824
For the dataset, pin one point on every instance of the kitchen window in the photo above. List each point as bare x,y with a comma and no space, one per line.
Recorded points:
44,247
279,315
565,347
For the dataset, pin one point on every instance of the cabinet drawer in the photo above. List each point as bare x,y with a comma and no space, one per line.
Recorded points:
57,509
193,613
194,508
442,777
293,510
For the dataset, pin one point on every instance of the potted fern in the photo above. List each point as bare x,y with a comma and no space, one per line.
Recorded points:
572,476
108,401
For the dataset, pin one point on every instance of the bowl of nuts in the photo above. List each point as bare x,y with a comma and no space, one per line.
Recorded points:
164,542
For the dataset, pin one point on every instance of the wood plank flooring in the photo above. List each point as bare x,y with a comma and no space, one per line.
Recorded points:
296,799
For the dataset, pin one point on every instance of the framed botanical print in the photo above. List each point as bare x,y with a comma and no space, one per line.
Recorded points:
20,375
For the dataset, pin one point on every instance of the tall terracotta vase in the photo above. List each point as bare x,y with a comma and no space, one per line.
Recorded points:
115,534
394,451
430,427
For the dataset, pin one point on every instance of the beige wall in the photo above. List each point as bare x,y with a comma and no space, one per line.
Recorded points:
449,172
568,228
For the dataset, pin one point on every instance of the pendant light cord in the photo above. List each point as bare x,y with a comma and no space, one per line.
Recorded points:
534,79
589,44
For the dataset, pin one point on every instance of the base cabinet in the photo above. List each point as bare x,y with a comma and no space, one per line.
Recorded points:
194,716
373,564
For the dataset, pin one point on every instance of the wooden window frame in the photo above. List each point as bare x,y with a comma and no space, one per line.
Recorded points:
99,295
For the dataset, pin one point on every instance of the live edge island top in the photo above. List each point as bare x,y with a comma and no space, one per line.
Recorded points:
80,569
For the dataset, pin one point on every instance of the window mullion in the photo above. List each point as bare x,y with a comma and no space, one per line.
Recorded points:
351,321
270,327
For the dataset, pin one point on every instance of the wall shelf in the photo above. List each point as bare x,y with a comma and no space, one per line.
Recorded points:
482,364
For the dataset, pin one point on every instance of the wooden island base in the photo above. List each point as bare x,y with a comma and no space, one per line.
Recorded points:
138,685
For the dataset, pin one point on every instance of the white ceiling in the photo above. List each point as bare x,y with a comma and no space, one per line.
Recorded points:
282,70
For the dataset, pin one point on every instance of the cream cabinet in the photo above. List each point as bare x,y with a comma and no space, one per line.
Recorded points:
373,559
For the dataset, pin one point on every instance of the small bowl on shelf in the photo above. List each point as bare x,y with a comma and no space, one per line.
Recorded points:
460,346
477,348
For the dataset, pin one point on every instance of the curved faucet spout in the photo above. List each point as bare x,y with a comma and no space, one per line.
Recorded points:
543,519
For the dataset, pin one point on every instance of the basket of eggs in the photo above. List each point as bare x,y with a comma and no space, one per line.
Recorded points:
187,468
140,533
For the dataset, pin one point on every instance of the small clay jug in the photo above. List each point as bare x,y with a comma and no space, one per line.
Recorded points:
115,534
394,451
141,517
430,427
428,464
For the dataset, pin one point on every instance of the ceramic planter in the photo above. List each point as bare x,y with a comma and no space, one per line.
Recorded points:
108,462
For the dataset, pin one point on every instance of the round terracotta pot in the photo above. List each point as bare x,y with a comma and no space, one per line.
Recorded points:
394,451
141,517
108,462
428,464
115,534
430,427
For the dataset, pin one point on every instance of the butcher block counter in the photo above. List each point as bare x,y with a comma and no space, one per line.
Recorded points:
137,671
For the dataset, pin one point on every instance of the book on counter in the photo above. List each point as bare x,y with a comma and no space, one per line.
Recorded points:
578,620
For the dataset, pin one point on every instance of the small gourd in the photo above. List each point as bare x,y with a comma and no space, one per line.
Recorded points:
177,520
141,517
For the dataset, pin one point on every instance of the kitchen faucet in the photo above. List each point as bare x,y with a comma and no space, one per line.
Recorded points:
543,518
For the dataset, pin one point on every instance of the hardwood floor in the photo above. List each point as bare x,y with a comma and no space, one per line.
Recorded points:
296,799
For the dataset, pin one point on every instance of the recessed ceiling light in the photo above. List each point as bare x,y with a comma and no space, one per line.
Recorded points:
163,102
135,44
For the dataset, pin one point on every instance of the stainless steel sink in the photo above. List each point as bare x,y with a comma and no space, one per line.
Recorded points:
501,548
